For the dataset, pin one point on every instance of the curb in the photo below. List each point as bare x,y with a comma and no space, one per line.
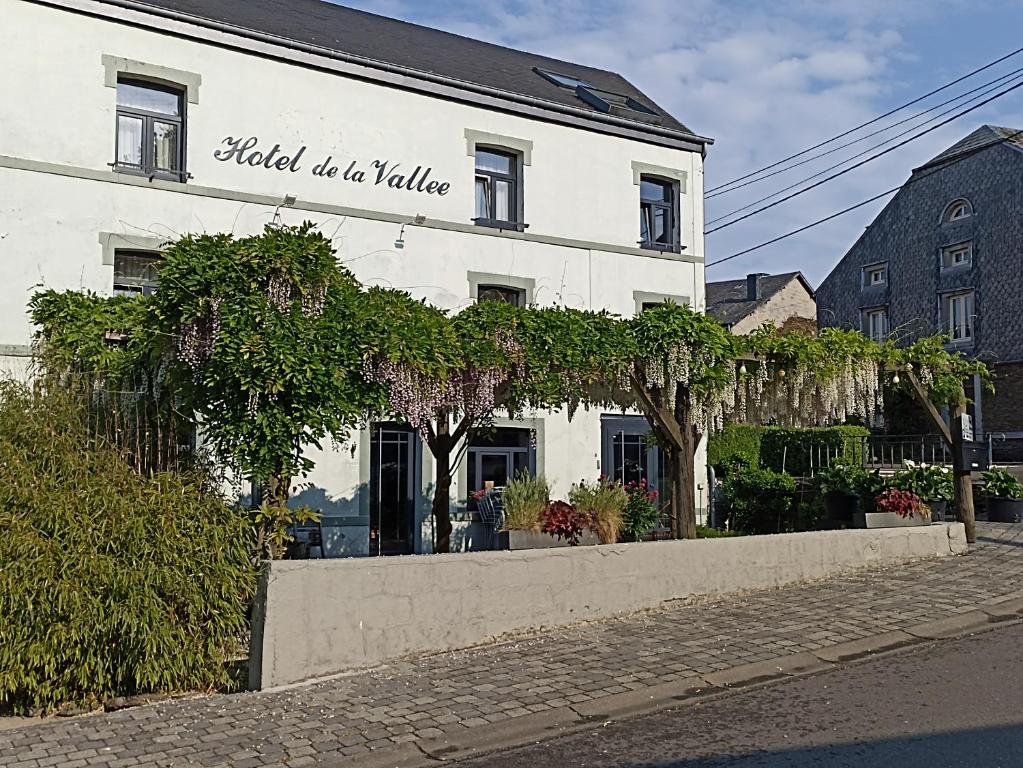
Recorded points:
543,726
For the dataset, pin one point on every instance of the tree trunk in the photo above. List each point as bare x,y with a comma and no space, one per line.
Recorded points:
963,477
681,470
441,446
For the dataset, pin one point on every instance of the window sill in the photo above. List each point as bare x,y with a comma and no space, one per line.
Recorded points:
513,226
661,248
127,170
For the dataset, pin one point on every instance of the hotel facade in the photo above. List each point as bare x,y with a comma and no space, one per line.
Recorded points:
453,169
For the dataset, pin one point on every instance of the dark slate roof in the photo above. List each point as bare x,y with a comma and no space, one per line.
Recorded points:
390,41
985,136
728,302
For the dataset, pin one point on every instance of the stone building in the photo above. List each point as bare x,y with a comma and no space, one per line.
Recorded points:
946,255
745,305
451,168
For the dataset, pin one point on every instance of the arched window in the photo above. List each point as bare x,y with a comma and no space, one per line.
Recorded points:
956,210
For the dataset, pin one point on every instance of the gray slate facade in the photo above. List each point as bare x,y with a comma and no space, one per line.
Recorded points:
907,241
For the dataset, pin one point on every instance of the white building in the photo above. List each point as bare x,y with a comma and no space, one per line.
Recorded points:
454,169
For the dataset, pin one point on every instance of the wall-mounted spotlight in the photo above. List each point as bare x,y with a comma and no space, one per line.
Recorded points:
419,220
287,202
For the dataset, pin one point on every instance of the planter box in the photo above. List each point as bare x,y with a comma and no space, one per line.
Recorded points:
516,540
1004,510
887,520
939,510
840,508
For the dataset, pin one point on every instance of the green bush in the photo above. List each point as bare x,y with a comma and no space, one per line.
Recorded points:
111,583
735,444
796,451
761,500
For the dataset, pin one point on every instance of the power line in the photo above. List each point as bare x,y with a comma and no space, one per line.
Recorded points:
870,122
1007,76
942,166
865,161
858,154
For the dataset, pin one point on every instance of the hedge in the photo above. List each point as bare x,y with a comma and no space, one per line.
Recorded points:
111,583
783,449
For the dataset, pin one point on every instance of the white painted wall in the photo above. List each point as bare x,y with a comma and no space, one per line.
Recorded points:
57,193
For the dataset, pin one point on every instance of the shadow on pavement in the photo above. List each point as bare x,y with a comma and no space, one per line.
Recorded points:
1000,747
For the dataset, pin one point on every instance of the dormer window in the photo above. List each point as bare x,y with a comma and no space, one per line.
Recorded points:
957,256
957,210
874,275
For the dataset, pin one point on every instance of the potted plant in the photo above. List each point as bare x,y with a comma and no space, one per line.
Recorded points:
931,482
839,486
567,523
605,503
641,513
524,499
894,508
1004,496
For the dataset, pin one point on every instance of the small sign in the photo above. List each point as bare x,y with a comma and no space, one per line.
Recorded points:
967,424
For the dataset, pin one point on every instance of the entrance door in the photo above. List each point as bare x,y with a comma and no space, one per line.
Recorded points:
392,490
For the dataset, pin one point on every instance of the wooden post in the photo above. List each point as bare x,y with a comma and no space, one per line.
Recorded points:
962,476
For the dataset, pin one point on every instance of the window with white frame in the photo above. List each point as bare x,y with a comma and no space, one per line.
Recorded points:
958,313
957,210
875,274
875,323
957,256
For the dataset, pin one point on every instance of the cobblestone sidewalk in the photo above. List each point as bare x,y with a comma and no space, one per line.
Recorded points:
489,688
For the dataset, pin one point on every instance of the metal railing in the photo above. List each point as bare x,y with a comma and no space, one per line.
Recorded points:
880,452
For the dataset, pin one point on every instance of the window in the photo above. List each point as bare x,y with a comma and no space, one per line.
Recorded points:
658,214
956,210
875,323
495,457
150,129
497,189
600,99
956,256
650,305
958,315
514,296
875,274
135,273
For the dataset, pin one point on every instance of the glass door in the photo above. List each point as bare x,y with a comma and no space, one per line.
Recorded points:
392,490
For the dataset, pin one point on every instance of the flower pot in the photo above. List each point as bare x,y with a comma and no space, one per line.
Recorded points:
887,520
1004,510
539,540
839,508
939,510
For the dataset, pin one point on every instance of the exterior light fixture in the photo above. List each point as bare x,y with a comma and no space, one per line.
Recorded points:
896,379
742,369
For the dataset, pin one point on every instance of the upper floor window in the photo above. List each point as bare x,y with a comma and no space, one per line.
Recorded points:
955,256
658,214
875,323
498,189
514,296
135,273
956,210
150,129
875,274
958,315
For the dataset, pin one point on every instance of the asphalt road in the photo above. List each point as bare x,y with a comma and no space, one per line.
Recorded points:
950,703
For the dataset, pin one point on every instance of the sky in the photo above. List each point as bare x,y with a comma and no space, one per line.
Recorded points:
766,80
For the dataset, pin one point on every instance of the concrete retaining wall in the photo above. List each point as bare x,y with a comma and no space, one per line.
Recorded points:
318,617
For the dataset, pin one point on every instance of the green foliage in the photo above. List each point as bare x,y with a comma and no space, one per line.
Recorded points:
999,483
736,444
761,500
112,583
272,524
605,501
641,512
524,500
940,371
841,477
928,481
264,335
705,532
799,450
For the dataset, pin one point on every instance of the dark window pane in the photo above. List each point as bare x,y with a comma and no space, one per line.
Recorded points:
166,146
129,140
494,469
657,191
662,226
493,162
482,197
504,437
149,97
511,296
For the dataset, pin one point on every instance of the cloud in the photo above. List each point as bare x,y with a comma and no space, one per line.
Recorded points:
765,80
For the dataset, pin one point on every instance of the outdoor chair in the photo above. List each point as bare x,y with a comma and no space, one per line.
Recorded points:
490,511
